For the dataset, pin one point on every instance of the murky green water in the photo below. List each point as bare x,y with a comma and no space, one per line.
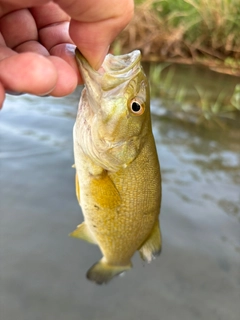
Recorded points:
42,270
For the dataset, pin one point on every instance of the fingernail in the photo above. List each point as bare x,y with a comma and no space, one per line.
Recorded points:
14,93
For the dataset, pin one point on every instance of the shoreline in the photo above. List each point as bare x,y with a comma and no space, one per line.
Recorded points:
210,64
187,32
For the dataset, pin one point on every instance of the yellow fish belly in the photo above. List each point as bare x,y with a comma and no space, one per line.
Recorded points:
121,212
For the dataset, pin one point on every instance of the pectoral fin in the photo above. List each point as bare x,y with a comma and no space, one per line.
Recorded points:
105,192
102,272
82,232
151,248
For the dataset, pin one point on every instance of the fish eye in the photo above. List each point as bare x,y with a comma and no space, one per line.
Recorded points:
136,107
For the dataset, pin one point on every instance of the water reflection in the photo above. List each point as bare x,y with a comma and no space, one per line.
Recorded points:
202,157
43,271
196,94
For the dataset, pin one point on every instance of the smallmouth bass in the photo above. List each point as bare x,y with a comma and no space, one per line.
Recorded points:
118,181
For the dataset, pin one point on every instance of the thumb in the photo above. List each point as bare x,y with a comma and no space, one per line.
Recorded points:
96,24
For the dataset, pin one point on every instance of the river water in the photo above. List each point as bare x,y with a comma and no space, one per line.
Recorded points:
42,270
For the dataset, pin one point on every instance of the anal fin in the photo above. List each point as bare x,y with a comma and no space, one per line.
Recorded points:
102,272
77,187
82,232
151,248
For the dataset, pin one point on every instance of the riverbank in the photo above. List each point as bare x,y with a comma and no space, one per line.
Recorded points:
186,31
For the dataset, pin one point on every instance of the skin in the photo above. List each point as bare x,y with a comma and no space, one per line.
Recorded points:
118,183
40,59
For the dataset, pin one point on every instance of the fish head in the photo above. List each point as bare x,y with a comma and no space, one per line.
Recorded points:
118,97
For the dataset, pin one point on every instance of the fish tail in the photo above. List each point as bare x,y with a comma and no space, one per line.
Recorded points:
102,272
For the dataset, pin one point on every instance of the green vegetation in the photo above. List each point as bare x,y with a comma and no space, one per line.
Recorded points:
189,31
178,33
190,93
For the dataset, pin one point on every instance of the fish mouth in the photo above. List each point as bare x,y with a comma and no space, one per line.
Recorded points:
115,66
114,72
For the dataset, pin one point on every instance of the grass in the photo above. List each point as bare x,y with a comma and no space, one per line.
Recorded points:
190,31
200,32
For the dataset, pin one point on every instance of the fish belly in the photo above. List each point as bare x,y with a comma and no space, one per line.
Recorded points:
121,208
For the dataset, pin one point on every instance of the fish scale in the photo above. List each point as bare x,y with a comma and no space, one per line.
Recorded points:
118,181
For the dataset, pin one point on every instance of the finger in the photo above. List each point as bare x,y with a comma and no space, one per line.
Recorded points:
2,95
7,6
92,10
28,72
55,34
35,74
52,23
67,53
95,25
67,79
32,46
48,14
6,52
18,27
92,41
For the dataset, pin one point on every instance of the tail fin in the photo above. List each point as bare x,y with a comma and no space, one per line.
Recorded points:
102,272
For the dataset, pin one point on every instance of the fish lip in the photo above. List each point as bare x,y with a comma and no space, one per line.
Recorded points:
130,60
115,73
91,78
83,63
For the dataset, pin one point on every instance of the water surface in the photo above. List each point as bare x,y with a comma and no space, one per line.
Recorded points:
42,270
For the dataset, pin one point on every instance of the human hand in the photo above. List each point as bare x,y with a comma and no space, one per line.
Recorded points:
38,38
